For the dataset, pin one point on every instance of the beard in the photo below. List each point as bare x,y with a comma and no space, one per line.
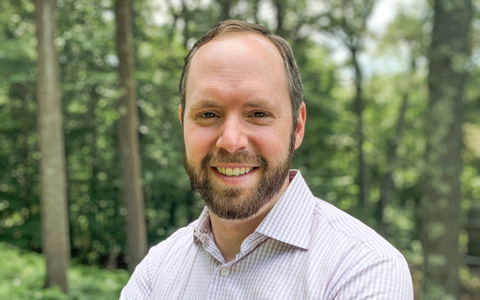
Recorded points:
238,203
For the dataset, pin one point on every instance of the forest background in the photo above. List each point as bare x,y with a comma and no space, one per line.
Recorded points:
369,145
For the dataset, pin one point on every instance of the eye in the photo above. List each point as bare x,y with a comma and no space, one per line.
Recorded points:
259,114
208,115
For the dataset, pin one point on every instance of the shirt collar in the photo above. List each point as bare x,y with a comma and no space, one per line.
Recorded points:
202,227
289,221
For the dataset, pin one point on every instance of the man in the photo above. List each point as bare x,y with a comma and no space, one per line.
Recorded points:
262,235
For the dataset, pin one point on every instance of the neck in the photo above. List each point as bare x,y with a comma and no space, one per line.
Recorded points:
230,234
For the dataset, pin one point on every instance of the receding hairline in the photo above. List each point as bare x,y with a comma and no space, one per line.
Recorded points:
260,37
268,45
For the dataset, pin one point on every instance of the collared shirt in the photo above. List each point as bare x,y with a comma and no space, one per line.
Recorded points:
304,248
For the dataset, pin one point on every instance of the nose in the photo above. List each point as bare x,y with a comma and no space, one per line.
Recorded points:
233,136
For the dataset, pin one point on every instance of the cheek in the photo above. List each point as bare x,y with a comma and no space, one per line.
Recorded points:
272,144
198,141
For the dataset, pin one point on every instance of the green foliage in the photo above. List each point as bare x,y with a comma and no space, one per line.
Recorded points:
327,157
22,277
18,140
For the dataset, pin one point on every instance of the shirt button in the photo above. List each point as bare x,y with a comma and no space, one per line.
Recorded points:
225,272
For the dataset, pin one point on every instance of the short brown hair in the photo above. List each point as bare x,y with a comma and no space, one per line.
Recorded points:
295,87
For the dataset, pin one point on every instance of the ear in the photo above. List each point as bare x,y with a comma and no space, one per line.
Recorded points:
180,114
300,130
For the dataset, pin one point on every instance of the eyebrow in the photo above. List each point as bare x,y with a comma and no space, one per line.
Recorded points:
205,104
256,104
213,104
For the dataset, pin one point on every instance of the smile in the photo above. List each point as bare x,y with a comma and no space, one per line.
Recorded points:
234,171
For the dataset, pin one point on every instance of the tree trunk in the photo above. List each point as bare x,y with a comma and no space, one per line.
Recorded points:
128,137
362,168
387,180
255,6
186,33
443,158
53,197
281,11
225,9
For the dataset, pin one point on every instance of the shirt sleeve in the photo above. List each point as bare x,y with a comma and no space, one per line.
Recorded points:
139,287
384,279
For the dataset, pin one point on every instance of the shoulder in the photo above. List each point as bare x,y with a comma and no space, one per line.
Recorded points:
358,260
329,220
142,282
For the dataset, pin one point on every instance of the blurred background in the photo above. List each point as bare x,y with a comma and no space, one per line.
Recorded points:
392,136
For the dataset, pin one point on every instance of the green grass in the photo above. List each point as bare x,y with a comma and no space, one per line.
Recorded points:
22,276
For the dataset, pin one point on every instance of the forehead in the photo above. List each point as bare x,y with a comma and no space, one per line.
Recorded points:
239,44
246,62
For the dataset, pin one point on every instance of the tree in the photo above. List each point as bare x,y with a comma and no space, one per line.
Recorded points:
348,21
54,213
128,137
405,30
281,7
225,7
443,154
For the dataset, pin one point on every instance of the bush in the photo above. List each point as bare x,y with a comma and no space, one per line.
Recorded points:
22,277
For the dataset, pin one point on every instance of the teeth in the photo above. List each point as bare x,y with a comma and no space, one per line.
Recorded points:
234,171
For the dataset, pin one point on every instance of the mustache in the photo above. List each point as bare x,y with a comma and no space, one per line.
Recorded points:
223,156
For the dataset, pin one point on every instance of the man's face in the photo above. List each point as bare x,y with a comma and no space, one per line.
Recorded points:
239,139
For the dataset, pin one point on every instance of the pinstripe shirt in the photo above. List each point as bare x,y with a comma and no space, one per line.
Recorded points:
304,248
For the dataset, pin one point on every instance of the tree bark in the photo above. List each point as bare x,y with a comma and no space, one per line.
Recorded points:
443,157
53,197
128,137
